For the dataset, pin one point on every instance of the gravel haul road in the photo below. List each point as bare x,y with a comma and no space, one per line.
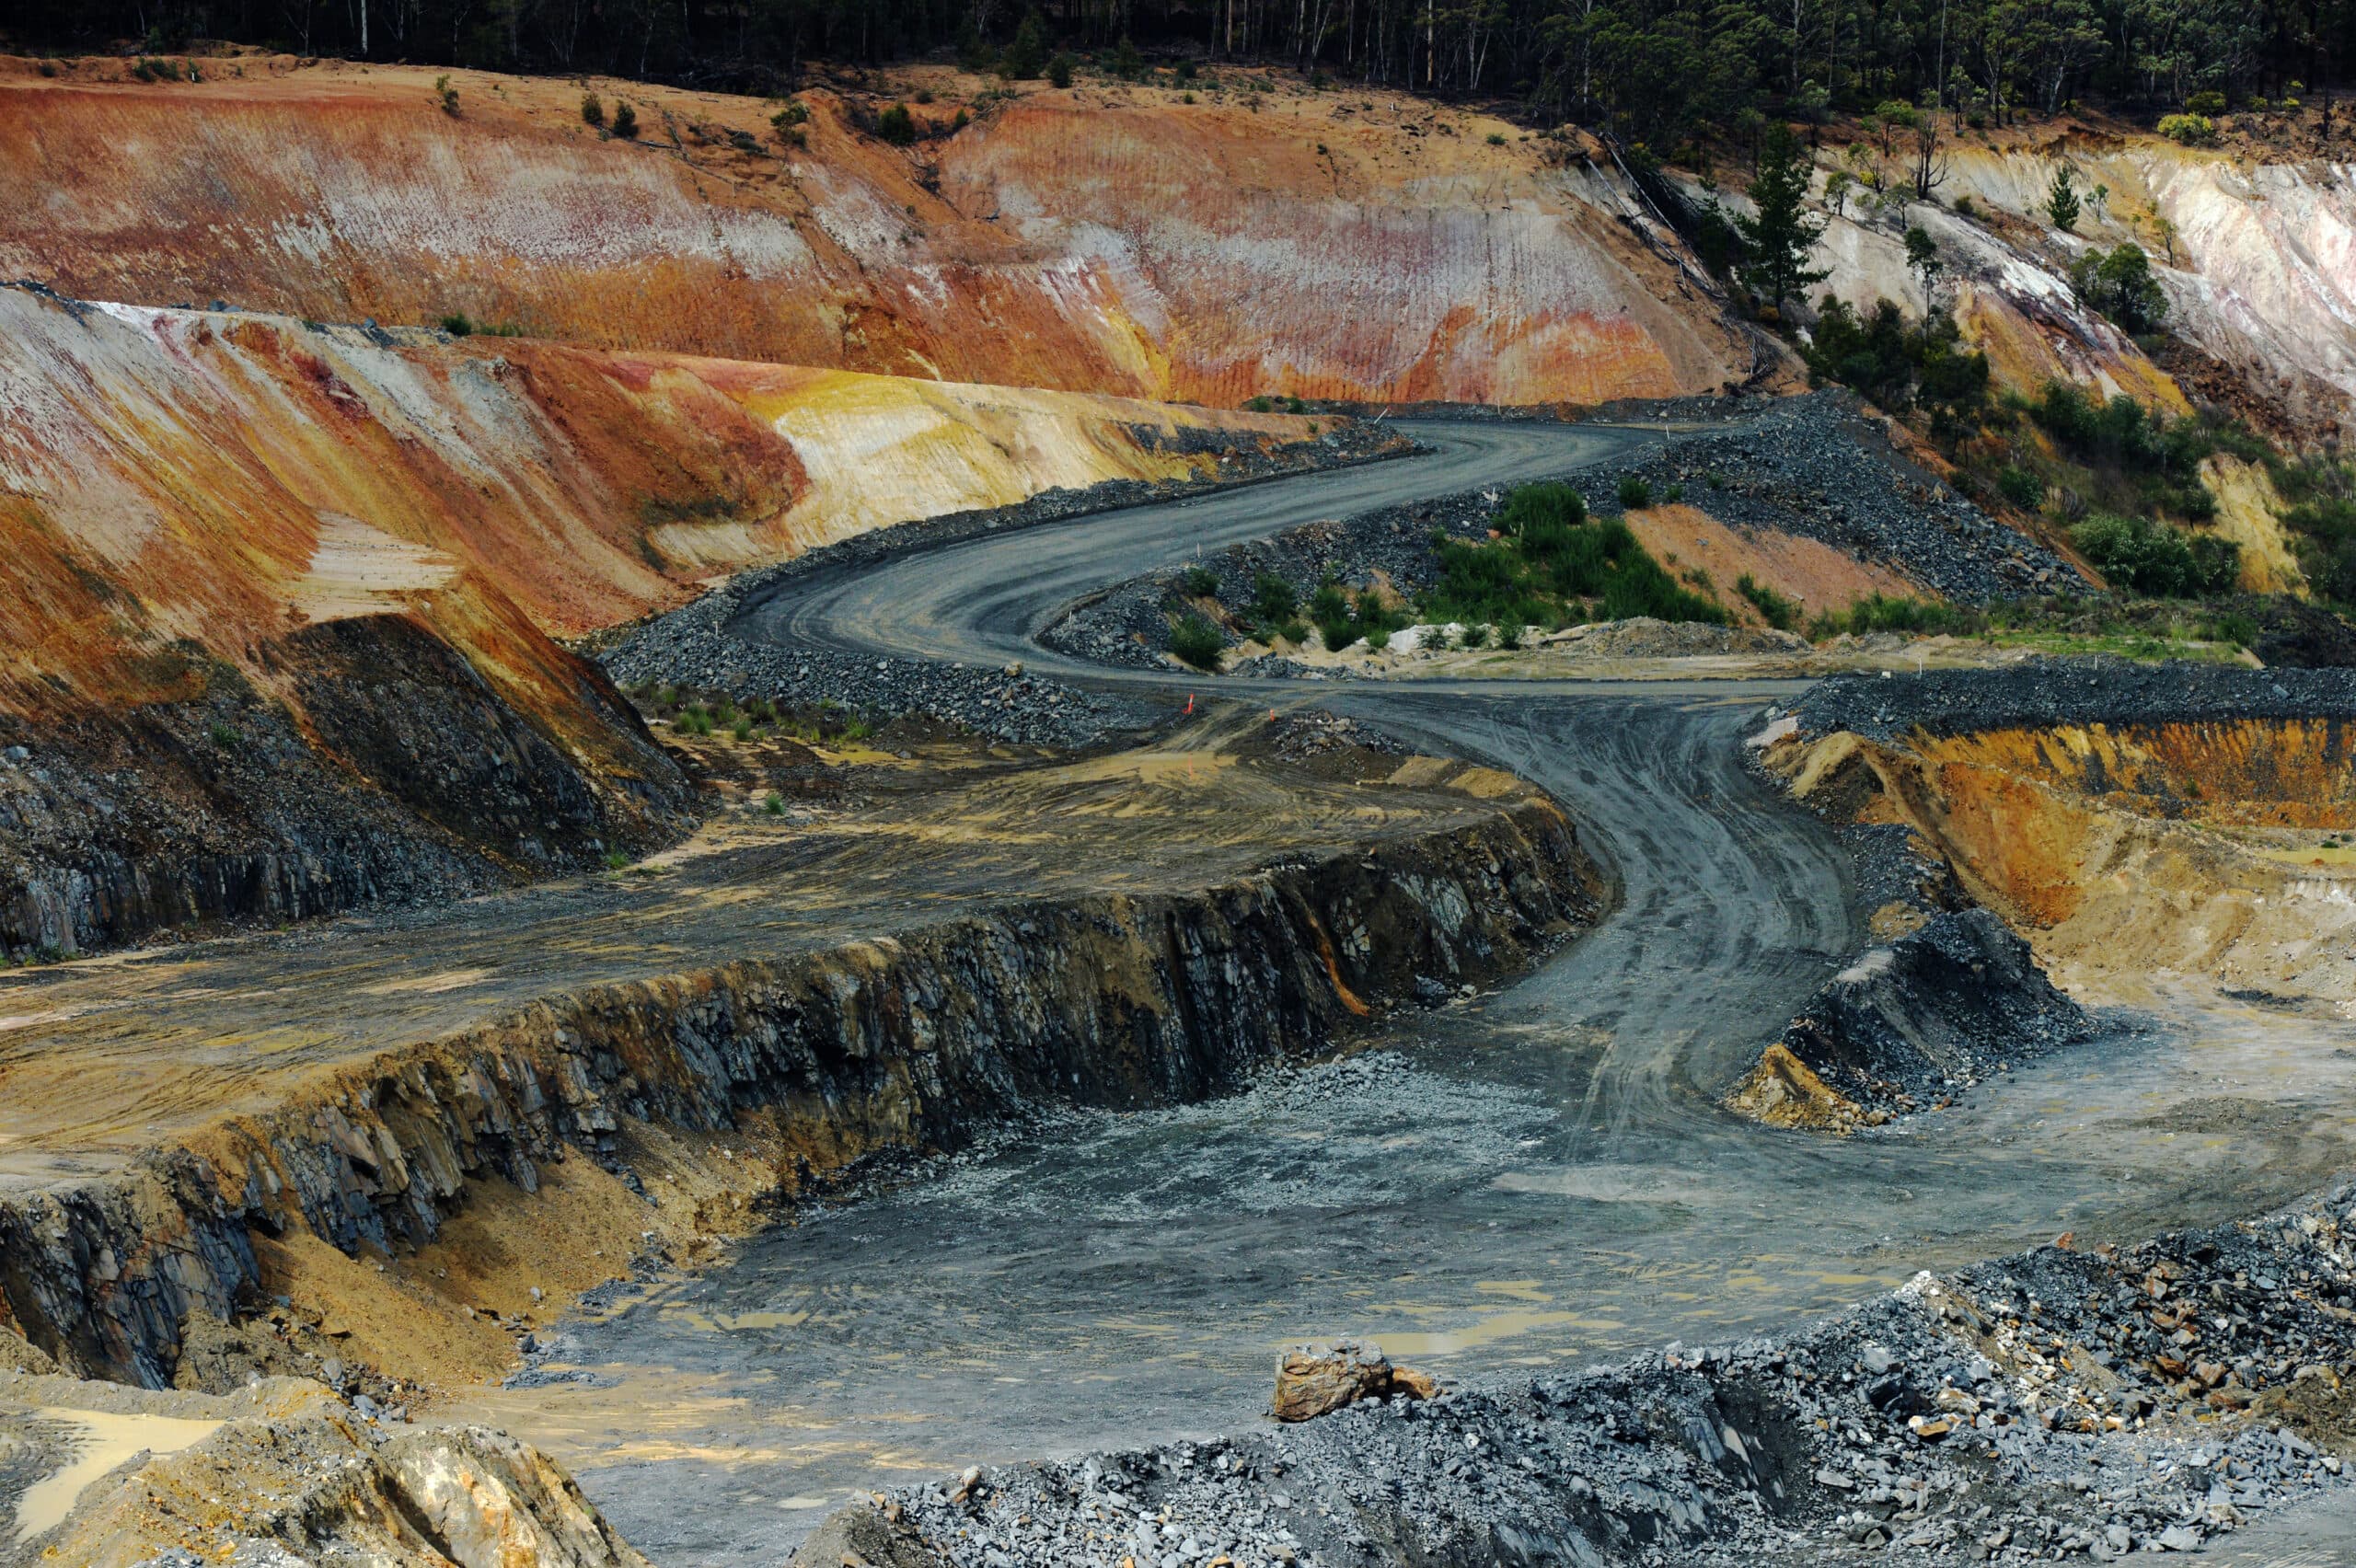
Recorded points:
1535,1179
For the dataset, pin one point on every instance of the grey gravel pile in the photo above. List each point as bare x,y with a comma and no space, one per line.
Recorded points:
1005,705
2069,691
1933,1013
1816,466
2041,1407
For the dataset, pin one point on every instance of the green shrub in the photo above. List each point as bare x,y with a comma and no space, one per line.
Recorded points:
1772,608
458,325
1273,598
2230,627
2149,557
593,110
896,125
774,804
1027,54
1634,494
448,96
2119,284
1060,69
1896,366
625,120
1329,611
221,736
2020,487
1199,581
1260,405
1878,612
1377,638
1128,63
2191,130
1198,642
2206,103
1553,554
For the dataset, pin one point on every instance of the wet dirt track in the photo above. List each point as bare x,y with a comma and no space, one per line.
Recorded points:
1535,1177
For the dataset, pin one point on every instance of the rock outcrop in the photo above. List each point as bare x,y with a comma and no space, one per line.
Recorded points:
1315,1380
281,1473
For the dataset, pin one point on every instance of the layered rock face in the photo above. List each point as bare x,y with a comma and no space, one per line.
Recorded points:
1119,241
908,1042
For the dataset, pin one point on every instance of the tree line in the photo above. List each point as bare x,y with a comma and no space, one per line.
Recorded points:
1655,70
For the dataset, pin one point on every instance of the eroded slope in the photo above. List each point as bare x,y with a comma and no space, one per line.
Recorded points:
1121,240
277,600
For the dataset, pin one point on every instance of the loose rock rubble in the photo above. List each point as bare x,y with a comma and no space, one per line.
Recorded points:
2069,691
2057,1405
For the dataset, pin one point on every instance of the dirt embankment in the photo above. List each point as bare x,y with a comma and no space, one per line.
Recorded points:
2143,825
279,601
1208,243
760,1034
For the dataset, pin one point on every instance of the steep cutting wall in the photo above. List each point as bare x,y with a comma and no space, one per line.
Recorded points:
911,1042
2258,259
2136,854
1121,240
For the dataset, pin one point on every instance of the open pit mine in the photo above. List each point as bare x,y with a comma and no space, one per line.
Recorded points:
1063,800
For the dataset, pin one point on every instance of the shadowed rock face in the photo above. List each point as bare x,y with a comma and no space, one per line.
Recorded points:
909,1042
1134,243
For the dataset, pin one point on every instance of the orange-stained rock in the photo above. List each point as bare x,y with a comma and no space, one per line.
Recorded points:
1313,1380
1127,241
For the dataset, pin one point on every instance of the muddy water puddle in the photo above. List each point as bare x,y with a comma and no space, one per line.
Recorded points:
1100,1279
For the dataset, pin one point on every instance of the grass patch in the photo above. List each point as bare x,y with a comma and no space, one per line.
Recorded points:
1772,608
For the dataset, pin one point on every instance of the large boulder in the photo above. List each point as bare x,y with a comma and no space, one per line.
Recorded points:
1314,1378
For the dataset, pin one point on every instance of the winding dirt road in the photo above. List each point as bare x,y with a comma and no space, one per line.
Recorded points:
1536,1177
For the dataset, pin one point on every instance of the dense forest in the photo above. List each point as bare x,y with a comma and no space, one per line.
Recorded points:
1658,70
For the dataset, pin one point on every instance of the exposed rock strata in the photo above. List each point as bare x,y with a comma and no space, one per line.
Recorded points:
907,1042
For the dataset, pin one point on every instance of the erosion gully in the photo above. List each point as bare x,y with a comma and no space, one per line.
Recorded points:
1536,1177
